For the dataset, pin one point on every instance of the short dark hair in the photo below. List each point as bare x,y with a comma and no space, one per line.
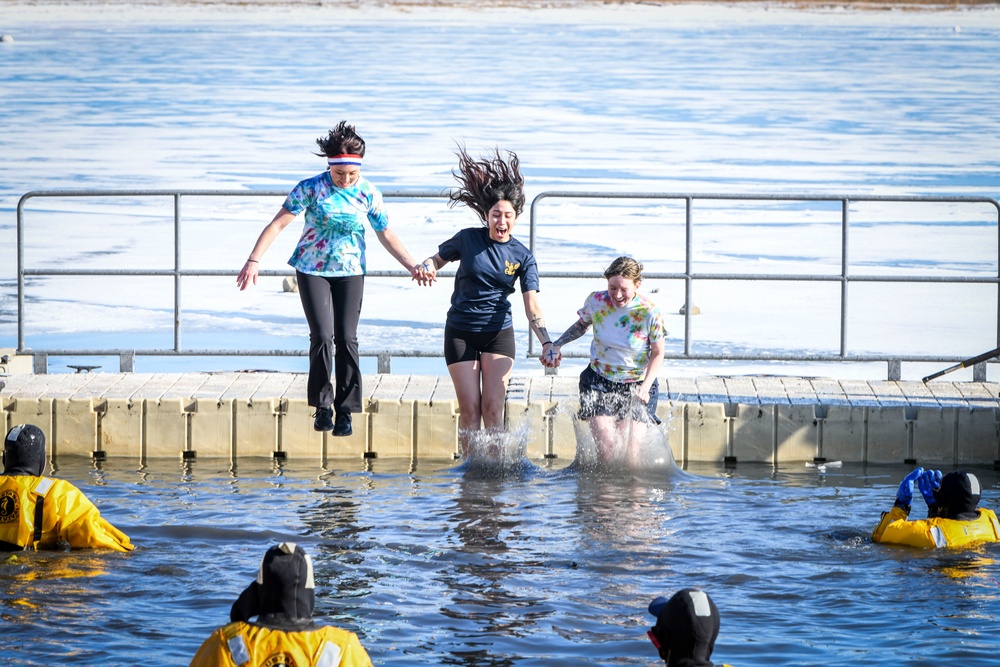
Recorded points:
341,140
485,182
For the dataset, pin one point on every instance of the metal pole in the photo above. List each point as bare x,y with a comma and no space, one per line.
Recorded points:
844,216
20,272
177,275
531,247
688,202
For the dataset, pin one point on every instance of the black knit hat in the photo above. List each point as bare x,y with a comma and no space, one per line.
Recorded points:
24,451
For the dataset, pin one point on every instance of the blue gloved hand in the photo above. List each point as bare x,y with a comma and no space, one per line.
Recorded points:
905,493
928,483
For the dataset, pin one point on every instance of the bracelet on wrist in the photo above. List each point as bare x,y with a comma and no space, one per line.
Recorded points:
253,260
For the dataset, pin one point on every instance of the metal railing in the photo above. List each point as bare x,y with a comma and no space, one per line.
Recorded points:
384,356
844,277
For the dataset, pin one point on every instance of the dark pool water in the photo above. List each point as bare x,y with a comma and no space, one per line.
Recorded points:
433,564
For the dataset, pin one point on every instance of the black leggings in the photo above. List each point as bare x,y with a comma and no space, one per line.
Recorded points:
333,307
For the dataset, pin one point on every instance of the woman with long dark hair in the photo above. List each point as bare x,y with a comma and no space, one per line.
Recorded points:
479,332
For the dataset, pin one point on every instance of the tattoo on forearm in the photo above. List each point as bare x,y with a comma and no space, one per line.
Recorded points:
571,334
543,335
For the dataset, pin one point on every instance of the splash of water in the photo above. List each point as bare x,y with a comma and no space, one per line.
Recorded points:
499,454
637,447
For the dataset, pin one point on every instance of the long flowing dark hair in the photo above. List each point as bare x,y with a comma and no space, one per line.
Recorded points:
487,181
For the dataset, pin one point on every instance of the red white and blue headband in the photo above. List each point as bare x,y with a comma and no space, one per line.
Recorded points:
349,159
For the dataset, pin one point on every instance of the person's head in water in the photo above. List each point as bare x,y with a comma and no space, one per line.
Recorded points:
687,626
344,150
492,187
24,451
958,497
283,595
624,277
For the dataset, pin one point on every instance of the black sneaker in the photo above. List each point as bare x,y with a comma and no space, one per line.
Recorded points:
343,425
324,419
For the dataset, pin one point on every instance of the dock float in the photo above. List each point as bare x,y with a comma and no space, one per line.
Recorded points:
758,419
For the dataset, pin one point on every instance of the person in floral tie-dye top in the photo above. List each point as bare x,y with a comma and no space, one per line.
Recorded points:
627,351
329,263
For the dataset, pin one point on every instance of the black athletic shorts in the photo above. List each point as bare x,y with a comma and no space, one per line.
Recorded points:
601,396
468,345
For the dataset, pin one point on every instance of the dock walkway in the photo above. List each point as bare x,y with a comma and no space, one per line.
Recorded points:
708,419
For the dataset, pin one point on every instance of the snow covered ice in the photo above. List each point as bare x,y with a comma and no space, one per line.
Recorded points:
750,99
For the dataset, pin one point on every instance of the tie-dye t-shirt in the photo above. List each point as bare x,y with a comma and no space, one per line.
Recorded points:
622,336
333,240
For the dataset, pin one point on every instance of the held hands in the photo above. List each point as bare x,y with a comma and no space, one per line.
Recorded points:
551,356
425,273
928,483
905,493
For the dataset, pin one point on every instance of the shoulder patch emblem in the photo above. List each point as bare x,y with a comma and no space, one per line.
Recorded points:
511,268
10,507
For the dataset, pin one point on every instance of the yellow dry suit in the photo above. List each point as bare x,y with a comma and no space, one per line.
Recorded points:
246,644
937,531
282,599
44,513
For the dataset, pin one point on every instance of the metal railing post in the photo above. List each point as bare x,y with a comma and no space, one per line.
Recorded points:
126,362
688,279
384,363
177,272
20,274
844,263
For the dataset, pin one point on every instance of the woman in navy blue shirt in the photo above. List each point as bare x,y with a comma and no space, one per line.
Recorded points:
479,332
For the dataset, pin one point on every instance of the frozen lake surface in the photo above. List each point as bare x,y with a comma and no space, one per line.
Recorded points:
678,99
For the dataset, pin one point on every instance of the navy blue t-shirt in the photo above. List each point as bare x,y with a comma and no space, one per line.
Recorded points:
485,278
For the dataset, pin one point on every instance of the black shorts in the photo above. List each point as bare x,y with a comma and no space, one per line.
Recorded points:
600,396
469,345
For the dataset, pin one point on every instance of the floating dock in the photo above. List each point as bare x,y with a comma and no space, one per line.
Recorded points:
233,415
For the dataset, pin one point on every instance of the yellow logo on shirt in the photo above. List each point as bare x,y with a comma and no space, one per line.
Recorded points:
10,507
511,268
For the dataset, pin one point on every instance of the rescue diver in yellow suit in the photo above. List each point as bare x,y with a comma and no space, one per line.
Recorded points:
42,512
282,599
953,519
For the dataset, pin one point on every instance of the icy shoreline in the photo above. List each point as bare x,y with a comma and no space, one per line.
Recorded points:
610,12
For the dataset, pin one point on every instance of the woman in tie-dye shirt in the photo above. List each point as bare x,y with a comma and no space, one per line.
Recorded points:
625,357
329,263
